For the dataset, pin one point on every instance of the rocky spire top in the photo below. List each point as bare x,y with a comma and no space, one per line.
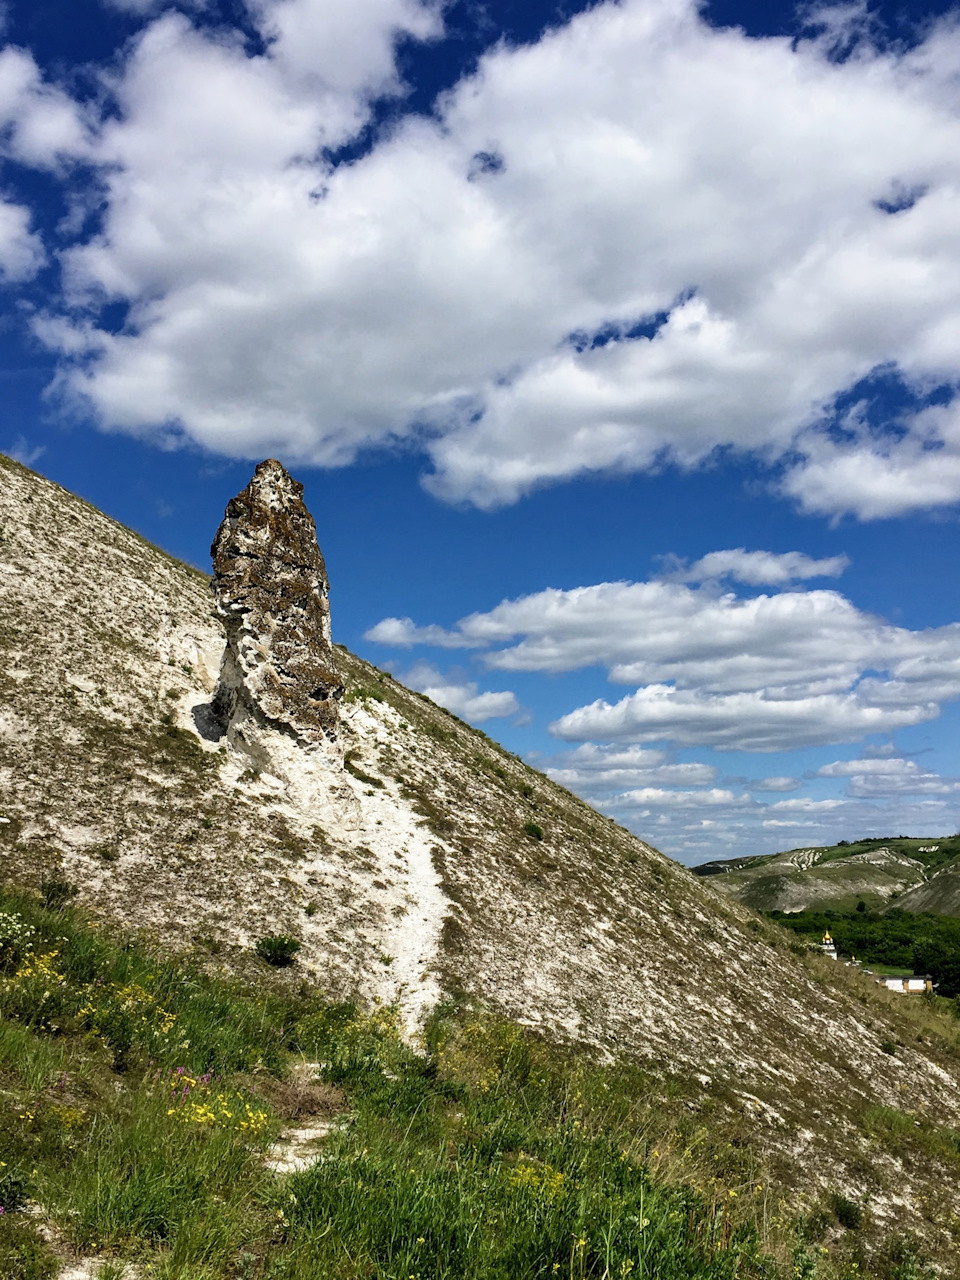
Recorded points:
271,591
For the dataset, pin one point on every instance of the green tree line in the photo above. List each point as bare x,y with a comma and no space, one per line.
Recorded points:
922,942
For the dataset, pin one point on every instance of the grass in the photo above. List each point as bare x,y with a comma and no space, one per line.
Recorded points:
462,1162
138,1096
351,766
278,949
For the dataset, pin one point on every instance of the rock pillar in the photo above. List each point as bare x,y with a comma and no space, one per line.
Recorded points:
271,592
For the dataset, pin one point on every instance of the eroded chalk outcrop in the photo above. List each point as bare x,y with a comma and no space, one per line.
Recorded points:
271,592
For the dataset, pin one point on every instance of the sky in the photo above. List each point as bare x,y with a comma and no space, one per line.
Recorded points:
617,347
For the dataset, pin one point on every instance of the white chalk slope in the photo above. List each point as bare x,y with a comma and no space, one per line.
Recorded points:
413,872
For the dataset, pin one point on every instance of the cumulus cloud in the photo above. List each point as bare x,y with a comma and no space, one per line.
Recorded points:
766,673
881,475
874,778
40,125
145,8
402,633
593,768
653,792
638,239
882,766
462,697
755,568
725,823
736,721
648,631
21,251
716,822
331,46
657,797
804,804
780,783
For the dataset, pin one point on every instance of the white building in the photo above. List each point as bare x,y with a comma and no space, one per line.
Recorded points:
915,985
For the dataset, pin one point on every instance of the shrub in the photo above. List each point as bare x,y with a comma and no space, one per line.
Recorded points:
900,1257
847,1212
13,1189
534,830
362,693
278,948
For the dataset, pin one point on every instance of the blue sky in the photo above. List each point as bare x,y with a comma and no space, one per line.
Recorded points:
617,347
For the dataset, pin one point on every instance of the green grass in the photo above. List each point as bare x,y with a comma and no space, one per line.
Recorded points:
442,1212
351,766
138,1095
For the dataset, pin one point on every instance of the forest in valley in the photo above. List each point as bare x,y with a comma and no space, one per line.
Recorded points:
919,942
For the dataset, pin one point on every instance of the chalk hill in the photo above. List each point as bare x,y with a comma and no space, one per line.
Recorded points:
911,874
415,858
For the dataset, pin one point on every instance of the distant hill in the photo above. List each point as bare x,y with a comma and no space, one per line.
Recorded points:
914,874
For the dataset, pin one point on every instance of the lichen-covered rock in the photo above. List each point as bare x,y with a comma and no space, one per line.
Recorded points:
271,591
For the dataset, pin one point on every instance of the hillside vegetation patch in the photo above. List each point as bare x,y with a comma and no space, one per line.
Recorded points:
901,941
138,1097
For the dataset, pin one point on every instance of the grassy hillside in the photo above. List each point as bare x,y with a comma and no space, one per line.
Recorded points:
914,872
141,1100
427,866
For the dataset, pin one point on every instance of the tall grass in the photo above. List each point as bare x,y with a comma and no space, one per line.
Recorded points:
135,1110
579,1209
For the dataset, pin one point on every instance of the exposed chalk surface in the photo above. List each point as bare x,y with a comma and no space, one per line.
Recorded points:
401,856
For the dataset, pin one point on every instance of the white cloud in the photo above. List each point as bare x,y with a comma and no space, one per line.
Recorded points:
755,568
21,251
779,783
719,828
340,47
804,804
22,451
40,125
403,632
874,778
735,721
648,631
591,768
647,165
882,766
145,8
882,476
657,797
461,696
771,672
